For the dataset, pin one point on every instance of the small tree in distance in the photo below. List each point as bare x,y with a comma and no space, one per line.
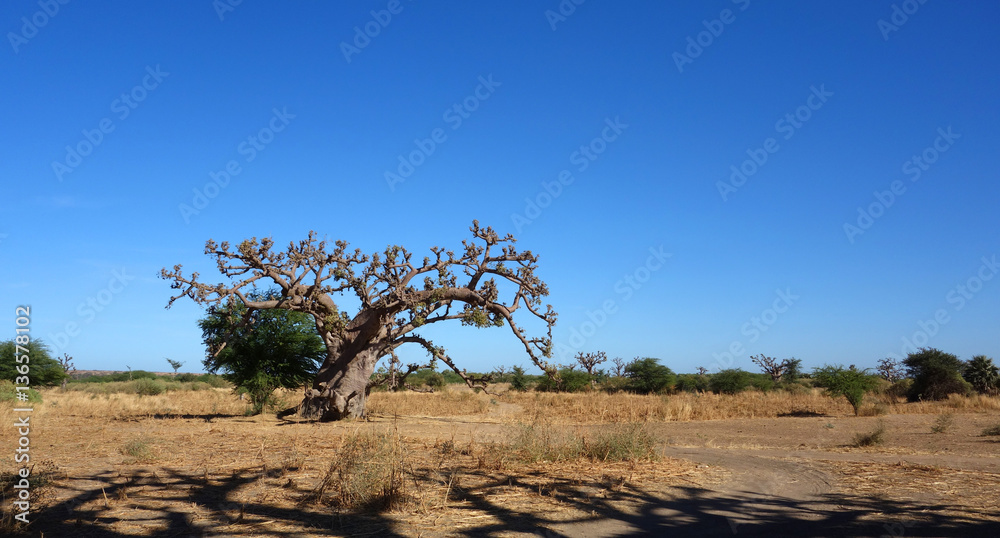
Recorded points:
775,369
982,374
647,376
890,369
620,365
590,361
66,362
176,365
850,383
935,374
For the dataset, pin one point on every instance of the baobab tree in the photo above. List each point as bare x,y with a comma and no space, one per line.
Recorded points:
397,297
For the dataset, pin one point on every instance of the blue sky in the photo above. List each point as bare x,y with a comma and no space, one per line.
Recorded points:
118,116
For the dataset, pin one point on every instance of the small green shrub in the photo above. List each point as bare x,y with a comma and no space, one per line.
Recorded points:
875,437
435,380
942,423
148,387
518,379
762,382
8,393
569,381
186,377
850,383
992,430
138,450
691,383
647,376
731,381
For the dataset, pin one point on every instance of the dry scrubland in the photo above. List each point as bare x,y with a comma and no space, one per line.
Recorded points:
190,463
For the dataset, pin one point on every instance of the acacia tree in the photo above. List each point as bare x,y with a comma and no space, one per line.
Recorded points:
396,295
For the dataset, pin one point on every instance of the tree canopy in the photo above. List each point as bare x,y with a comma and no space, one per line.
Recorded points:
261,350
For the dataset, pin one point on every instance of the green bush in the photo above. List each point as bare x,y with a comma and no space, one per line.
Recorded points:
761,382
692,383
731,381
186,378
935,374
518,379
44,370
215,381
569,381
648,376
850,383
434,380
148,387
8,393
451,377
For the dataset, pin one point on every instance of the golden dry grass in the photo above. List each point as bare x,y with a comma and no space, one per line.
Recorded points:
602,408
195,452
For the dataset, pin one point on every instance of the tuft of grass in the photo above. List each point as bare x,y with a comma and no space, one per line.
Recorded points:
942,423
630,442
874,410
875,437
366,474
138,450
992,430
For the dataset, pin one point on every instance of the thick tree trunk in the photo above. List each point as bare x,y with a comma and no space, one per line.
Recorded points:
339,390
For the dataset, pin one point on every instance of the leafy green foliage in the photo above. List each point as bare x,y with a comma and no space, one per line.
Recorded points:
935,374
647,376
518,379
731,381
435,380
692,383
850,383
982,374
276,348
43,369
8,393
569,380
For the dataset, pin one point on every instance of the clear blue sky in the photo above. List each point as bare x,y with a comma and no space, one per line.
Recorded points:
837,103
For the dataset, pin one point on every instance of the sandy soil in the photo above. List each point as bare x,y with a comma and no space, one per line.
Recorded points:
217,475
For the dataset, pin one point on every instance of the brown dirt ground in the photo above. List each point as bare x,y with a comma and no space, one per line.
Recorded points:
229,475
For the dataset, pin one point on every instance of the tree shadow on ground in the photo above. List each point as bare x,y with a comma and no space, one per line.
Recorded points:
166,502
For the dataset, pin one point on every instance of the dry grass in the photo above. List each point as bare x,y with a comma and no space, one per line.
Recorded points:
444,403
366,474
